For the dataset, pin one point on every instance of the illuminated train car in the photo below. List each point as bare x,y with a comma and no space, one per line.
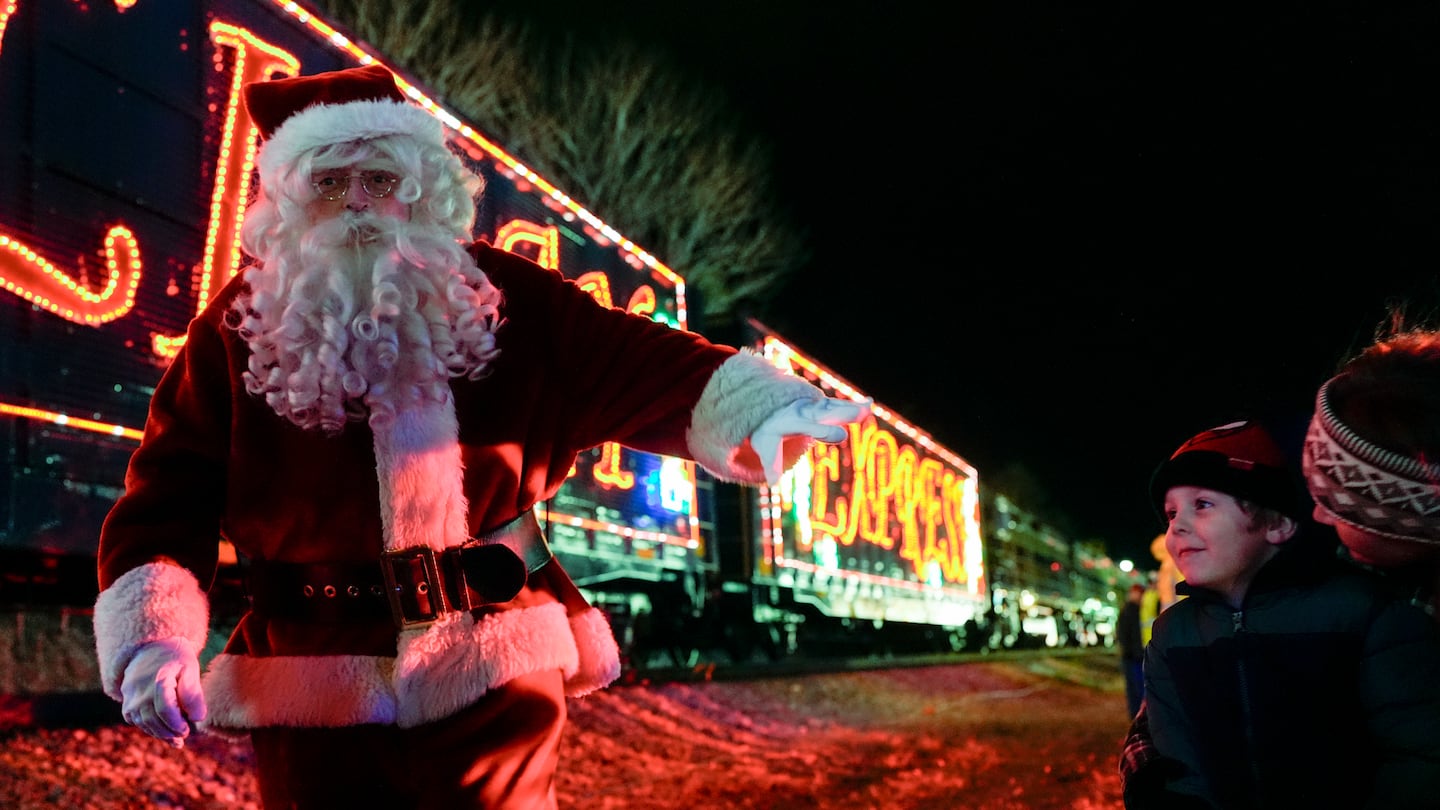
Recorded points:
1028,570
1100,586
1045,590
889,542
121,194
870,544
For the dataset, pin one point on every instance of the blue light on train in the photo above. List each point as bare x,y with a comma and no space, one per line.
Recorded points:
677,491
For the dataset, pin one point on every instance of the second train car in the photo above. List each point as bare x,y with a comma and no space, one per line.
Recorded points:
885,543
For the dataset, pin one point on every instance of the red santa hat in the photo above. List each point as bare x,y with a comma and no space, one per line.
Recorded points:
306,112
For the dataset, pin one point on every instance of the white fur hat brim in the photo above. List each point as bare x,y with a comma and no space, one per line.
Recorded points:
326,124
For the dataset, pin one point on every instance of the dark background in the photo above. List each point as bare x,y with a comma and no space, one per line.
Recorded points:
1065,236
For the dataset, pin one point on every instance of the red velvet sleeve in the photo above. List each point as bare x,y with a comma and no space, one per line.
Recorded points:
175,482
610,375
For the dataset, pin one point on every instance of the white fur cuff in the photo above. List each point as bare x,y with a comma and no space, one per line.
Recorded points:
152,602
742,393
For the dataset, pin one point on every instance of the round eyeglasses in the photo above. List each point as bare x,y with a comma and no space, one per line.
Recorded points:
333,186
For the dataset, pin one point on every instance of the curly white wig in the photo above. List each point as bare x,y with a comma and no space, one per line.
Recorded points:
357,317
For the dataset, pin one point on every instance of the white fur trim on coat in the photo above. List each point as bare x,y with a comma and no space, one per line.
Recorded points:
455,661
742,393
149,603
244,692
325,124
442,669
420,472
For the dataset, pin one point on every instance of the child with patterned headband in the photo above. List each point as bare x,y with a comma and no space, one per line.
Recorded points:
1372,460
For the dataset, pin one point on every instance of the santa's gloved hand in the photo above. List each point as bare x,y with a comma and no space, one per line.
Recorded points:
821,419
160,694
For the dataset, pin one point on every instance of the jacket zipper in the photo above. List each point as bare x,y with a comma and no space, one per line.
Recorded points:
1237,620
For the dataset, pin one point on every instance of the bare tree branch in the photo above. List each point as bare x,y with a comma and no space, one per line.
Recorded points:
657,156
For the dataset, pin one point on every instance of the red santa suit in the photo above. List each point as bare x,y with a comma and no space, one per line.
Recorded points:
216,461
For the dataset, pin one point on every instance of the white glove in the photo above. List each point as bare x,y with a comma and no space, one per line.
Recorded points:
820,419
161,690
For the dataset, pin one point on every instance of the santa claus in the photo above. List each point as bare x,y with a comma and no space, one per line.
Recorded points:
369,414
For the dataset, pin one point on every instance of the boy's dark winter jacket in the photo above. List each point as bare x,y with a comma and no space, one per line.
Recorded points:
1322,691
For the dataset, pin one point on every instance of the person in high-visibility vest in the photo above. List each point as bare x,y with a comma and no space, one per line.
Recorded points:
1149,609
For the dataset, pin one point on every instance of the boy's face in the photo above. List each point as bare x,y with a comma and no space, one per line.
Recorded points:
1215,543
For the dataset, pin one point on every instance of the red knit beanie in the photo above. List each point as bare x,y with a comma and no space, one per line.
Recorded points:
1242,460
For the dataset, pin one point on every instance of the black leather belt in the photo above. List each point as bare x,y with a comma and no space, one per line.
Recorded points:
414,586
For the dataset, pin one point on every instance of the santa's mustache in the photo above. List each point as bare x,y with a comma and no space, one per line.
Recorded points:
351,228
366,221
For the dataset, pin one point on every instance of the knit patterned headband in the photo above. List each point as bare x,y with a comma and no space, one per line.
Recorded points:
1379,491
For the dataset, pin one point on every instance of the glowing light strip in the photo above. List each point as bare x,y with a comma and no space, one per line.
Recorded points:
28,275
66,420
254,60
547,238
452,121
625,531
774,539
226,213
109,429
919,436
6,9
642,301
843,574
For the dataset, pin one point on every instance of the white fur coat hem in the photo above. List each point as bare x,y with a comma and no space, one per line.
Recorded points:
439,670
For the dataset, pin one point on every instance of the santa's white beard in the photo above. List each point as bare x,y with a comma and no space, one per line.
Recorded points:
355,318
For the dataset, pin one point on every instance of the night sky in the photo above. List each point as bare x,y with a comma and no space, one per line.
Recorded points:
1068,235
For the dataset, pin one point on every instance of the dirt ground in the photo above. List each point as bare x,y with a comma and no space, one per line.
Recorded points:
995,734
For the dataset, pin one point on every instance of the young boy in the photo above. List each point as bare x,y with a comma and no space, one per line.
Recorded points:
1285,680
